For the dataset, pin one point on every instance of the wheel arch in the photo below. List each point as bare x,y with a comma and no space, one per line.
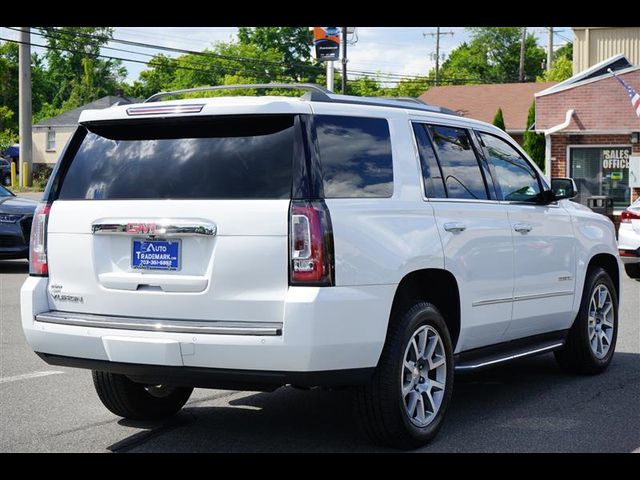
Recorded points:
436,286
609,263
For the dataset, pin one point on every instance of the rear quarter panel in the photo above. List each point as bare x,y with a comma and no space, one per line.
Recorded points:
380,240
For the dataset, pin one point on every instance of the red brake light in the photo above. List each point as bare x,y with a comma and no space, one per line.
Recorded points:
311,244
628,215
38,243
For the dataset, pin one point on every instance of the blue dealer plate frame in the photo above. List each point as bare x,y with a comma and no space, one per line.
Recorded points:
158,255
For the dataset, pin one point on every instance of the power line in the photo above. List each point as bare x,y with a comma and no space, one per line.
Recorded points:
108,57
212,54
198,65
379,76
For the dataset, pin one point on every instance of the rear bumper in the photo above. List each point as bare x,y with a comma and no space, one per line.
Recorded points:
628,244
323,330
225,379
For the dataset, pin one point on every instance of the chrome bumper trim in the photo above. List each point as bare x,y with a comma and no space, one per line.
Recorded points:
213,327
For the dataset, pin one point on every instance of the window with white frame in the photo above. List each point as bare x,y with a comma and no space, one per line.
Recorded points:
51,140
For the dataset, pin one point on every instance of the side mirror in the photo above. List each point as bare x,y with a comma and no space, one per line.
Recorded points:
563,188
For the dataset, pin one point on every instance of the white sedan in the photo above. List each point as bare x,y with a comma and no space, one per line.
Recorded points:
629,239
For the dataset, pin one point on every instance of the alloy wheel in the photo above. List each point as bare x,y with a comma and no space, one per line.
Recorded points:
423,377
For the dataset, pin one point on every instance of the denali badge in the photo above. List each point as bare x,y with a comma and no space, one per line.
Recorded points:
58,295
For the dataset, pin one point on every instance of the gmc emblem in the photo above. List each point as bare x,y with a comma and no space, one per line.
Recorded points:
142,228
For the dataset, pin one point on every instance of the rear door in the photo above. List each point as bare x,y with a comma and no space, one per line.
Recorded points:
474,229
175,218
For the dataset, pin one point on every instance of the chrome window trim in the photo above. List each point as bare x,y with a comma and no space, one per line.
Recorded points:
468,129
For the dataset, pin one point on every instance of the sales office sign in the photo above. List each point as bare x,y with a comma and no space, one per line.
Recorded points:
615,158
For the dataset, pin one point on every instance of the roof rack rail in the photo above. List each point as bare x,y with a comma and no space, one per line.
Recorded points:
314,92
394,102
317,93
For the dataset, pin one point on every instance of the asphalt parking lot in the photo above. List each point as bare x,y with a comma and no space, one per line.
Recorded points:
529,406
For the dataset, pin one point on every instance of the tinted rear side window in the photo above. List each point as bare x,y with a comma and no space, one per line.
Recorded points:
459,163
431,174
215,158
355,154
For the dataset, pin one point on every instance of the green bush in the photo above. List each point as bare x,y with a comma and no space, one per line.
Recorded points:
41,174
498,120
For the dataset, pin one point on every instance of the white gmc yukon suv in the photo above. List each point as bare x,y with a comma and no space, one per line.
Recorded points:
317,241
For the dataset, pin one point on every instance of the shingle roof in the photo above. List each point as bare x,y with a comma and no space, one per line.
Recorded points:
71,117
618,63
481,102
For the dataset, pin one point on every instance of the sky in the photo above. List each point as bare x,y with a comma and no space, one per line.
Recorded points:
399,50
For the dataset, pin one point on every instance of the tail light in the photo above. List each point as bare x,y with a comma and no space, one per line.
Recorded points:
311,244
38,246
627,216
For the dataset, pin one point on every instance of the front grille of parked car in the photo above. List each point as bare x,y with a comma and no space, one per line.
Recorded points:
11,242
25,224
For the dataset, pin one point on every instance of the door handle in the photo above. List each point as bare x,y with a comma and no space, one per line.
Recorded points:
455,227
522,227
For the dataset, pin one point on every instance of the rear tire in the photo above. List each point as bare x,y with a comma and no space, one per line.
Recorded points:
633,270
135,401
417,358
591,340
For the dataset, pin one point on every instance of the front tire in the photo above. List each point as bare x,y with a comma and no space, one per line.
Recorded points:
405,402
591,341
135,401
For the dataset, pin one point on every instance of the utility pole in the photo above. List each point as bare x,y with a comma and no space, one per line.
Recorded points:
344,60
24,110
550,48
330,75
524,38
437,34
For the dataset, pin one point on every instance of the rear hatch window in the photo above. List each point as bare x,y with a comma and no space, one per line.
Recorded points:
239,157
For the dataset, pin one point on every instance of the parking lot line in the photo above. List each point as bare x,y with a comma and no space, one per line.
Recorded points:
29,375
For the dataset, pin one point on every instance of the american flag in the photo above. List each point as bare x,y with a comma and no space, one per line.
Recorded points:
633,95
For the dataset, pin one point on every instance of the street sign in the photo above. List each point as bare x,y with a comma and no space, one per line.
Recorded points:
326,41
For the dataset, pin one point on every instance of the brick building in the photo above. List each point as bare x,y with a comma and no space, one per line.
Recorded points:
482,102
592,130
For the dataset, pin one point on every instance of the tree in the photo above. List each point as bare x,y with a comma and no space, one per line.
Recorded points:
364,87
41,87
294,45
8,136
223,63
8,86
493,56
565,51
561,69
498,119
75,68
155,79
534,143
412,87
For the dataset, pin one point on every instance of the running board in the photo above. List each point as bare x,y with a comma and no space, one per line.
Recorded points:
485,357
